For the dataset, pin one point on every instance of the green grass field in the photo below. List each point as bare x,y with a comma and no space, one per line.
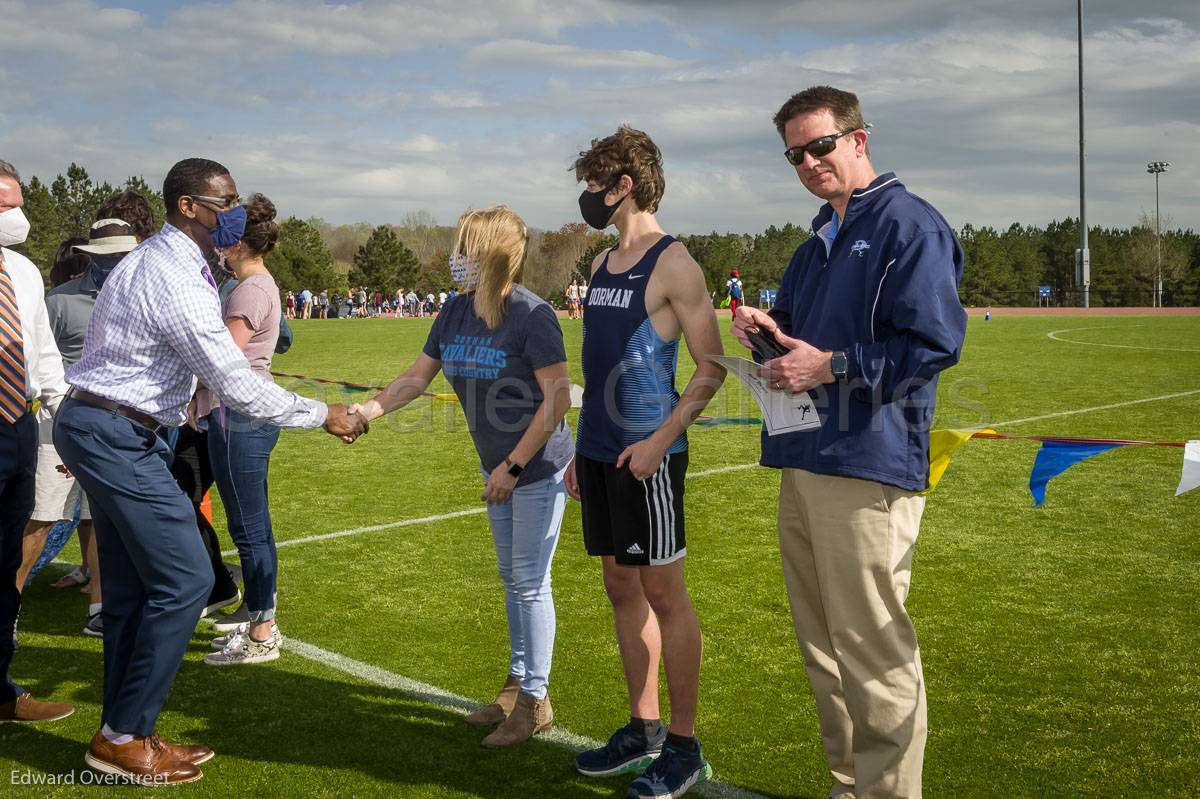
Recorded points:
1060,644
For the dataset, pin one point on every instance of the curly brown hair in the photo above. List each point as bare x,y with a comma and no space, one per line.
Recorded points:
132,208
627,152
262,231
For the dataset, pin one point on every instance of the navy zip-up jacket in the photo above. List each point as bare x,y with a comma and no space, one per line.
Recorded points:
886,292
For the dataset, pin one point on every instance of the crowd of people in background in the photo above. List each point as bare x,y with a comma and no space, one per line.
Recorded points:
362,302
576,294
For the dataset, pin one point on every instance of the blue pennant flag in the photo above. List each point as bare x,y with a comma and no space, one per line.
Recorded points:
1054,458
59,535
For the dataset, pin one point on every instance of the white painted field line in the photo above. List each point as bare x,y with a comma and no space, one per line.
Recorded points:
722,470
1055,336
1108,407
388,526
433,695
371,529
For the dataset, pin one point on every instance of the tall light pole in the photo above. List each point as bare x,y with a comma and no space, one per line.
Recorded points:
1156,168
1083,266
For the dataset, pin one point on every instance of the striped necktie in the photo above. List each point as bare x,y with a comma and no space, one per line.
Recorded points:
13,400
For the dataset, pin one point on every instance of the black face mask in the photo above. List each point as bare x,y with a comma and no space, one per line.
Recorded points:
593,209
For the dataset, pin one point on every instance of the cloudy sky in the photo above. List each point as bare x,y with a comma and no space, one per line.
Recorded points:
371,110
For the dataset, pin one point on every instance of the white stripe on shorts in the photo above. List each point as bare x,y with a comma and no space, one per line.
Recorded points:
664,552
669,498
659,491
663,545
654,539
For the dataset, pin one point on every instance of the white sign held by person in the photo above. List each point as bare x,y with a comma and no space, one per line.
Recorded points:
782,412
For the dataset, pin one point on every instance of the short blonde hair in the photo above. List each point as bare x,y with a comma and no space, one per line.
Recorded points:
498,240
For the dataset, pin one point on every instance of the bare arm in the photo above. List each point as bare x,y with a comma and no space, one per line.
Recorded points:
404,389
241,331
688,297
685,292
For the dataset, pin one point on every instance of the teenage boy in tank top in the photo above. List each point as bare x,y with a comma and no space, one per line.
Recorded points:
632,455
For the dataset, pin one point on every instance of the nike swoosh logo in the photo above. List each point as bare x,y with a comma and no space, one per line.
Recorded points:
635,277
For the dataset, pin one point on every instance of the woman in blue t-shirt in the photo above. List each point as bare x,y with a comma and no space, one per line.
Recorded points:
501,348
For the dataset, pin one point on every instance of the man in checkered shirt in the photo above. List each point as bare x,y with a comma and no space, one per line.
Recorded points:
155,329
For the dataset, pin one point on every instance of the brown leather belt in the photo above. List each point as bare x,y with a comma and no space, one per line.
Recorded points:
143,419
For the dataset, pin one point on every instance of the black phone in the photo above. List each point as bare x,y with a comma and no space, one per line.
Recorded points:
766,345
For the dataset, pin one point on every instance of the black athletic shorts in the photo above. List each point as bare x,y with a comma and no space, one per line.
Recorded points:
639,522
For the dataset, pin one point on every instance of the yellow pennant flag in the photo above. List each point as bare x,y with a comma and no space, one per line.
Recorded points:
942,444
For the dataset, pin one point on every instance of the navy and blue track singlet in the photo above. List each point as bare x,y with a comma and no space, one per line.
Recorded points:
628,369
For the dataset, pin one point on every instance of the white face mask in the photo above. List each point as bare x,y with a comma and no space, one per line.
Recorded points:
464,272
14,227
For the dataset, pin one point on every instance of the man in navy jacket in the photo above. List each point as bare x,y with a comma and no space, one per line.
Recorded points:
869,312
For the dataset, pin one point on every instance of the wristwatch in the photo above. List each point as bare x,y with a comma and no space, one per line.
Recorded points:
838,365
514,469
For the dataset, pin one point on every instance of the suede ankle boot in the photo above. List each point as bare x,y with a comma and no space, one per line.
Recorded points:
498,710
528,718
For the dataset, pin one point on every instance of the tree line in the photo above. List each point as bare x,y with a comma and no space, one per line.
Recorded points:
1001,267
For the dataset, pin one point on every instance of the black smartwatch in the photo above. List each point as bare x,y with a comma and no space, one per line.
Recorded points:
838,365
514,469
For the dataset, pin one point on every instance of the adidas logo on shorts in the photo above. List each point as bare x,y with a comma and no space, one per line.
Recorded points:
635,550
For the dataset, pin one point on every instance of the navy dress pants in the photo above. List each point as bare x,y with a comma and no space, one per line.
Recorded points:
18,463
156,572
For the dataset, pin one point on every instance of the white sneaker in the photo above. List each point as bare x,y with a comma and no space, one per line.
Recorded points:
219,642
241,648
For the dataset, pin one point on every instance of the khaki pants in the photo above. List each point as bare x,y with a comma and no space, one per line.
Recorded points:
847,548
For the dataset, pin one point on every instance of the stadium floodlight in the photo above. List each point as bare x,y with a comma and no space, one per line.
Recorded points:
1156,168
1083,269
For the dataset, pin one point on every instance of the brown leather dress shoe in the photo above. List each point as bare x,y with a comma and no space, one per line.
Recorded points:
144,760
28,710
191,753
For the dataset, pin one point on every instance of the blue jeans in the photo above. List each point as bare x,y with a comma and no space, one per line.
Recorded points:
239,449
525,530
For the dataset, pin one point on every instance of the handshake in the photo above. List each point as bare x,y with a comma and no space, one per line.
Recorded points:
347,422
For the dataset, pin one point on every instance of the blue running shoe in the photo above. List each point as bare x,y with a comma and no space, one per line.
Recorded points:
672,775
629,750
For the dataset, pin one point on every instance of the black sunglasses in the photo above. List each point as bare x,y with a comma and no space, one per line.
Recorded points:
223,203
816,148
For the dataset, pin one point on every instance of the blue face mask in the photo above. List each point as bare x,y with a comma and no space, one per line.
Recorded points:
103,265
231,226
